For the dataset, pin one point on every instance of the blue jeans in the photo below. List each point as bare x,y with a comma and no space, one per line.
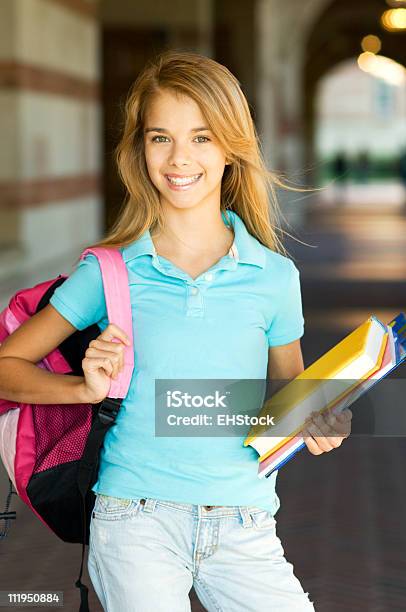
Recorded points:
145,556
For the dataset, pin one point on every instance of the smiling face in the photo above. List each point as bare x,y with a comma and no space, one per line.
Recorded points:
184,159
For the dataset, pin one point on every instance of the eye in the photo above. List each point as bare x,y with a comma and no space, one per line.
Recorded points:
154,139
205,138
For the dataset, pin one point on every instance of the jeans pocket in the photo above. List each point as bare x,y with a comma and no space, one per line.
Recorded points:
263,519
111,508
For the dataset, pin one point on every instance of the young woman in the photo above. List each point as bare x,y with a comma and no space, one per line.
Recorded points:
214,296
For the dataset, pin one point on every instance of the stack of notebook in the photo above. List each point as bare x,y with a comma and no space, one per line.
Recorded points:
333,382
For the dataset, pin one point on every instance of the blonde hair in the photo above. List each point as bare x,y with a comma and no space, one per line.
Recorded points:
248,187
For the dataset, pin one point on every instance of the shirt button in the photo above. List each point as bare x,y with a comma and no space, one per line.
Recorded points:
209,276
194,290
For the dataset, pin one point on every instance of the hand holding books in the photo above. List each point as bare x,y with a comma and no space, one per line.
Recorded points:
332,383
326,430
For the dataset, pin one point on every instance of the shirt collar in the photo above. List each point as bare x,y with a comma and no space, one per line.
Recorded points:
142,246
245,248
248,249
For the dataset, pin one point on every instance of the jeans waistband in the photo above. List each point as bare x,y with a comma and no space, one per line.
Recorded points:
245,512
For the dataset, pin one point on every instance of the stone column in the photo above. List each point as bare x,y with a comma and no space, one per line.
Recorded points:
281,29
50,157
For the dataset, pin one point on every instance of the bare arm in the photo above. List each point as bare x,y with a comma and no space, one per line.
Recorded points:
284,363
21,380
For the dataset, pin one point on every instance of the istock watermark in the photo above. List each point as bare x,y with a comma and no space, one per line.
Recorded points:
208,407
220,420
231,407
177,399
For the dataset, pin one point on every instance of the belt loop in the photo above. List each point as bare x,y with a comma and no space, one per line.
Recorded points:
245,516
149,505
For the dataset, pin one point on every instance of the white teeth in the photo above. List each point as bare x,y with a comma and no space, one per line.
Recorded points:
183,181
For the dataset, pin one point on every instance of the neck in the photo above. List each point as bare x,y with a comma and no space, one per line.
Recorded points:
192,233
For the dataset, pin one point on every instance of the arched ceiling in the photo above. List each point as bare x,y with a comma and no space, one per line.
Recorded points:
337,33
334,36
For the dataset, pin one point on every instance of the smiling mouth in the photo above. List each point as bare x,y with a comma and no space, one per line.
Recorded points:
183,182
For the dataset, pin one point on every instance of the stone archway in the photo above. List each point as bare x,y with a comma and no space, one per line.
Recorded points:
297,43
334,36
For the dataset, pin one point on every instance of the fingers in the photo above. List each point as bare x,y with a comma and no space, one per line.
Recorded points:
342,423
322,433
114,334
108,350
325,431
109,346
92,364
310,443
345,416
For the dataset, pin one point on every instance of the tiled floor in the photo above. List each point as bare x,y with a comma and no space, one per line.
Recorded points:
342,514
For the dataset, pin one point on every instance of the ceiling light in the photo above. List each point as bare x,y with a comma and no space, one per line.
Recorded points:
382,67
394,20
371,43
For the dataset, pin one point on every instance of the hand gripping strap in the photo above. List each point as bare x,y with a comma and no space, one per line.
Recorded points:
118,302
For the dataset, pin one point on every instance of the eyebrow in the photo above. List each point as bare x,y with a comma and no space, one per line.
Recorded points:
158,129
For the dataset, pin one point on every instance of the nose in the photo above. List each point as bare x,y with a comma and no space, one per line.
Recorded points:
179,155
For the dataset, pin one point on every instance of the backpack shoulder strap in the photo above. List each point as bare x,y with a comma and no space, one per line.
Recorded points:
117,292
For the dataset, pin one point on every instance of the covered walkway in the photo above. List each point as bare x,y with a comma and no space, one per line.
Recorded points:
342,517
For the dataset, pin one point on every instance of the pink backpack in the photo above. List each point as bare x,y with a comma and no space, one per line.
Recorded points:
51,452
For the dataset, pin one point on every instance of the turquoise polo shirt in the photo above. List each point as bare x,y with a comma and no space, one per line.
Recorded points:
217,326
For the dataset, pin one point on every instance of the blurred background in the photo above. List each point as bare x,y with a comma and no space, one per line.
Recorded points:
326,84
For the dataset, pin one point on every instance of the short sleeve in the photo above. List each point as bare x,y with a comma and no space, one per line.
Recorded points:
287,324
80,299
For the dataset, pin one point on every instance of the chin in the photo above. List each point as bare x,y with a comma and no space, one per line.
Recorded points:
184,205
